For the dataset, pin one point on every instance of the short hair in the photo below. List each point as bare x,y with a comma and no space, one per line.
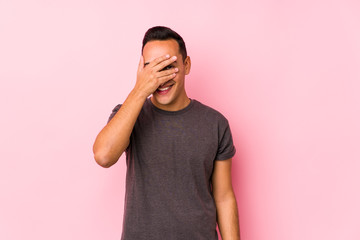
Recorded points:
164,33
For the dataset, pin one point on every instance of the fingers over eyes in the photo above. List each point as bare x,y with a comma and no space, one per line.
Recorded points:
161,62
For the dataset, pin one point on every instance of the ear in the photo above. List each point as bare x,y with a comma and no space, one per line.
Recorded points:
187,64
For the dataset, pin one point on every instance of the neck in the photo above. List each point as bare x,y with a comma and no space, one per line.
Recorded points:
172,107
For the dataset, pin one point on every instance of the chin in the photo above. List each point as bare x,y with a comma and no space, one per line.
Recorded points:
162,100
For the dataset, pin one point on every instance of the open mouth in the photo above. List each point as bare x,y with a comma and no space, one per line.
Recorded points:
163,90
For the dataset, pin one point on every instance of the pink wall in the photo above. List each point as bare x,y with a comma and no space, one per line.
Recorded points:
285,73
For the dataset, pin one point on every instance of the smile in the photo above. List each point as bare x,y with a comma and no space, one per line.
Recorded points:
163,90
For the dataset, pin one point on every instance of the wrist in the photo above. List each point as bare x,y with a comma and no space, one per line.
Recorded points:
138,95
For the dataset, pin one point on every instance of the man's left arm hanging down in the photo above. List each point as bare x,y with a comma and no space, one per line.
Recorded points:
225,201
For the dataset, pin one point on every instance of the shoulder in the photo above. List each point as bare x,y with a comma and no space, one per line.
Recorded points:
114,111
145,109
209,112
116,108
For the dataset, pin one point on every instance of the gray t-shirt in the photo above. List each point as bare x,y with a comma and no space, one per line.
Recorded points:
170,162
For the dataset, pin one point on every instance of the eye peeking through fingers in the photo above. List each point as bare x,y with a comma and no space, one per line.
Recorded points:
166,68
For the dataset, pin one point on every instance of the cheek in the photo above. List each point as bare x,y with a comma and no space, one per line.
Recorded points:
179,76
181,73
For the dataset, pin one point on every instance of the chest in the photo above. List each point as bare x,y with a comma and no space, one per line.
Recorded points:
188,142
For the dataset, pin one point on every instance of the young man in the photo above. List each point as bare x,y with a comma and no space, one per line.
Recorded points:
178,151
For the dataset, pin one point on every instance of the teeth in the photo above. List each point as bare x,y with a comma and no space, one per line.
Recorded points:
163,89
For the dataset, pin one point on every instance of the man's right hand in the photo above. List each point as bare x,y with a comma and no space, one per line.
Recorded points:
114,138
150,77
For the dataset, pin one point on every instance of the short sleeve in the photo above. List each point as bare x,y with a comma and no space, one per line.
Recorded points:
226,148
114,111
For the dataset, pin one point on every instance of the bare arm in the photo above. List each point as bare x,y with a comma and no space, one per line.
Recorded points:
114,138
225,201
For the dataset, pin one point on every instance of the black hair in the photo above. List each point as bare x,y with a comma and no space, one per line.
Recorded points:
164,33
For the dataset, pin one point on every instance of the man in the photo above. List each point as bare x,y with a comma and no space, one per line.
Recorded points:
178,151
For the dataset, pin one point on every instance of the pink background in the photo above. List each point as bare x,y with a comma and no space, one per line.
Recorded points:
285,73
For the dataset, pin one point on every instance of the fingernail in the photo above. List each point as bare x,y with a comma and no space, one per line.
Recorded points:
174,57
167,56
176,69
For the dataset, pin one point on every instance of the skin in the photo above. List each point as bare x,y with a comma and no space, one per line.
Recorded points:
113,139
225,201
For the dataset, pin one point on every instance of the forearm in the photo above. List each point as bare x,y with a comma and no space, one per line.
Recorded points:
114,138
227,218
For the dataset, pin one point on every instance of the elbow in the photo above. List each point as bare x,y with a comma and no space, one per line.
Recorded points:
106,156
227,197
103,160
